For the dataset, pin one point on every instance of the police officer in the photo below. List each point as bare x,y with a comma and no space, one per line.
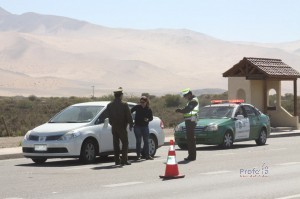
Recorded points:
119,117
190,113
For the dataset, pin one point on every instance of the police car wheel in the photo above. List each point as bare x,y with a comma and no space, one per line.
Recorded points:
262,139
227,140
152,145
183,146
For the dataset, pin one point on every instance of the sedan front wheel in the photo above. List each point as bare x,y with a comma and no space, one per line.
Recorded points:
39,160
227,140
88,152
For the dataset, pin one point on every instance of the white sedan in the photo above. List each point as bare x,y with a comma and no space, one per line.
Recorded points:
82,131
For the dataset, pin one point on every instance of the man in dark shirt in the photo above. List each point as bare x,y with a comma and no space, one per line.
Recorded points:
119,117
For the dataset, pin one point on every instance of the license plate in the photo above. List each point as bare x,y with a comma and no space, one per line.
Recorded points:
40,147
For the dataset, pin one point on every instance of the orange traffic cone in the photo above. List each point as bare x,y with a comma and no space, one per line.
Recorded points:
171,166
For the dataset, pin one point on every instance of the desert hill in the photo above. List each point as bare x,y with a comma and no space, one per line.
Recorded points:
74,55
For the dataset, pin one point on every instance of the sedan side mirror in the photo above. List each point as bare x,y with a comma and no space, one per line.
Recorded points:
106,121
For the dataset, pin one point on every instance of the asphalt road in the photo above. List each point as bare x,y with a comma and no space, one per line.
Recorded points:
246,171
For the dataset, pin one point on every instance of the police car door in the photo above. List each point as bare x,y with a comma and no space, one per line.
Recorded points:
242,124
253,116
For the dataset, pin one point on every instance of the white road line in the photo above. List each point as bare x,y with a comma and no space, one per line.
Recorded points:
279,149
218,154
122,184
288,163
13,198
158,160
215,172
289,197
267,150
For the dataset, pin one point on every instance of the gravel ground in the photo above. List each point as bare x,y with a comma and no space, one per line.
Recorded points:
7,142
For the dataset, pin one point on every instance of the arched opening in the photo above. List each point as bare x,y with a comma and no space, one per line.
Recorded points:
272,99
241,94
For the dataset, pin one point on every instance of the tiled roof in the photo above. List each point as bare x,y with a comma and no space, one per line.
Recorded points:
267,68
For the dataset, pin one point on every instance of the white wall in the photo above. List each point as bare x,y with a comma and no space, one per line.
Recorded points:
254,94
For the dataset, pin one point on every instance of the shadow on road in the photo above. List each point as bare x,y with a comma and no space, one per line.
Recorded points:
217,148
72,162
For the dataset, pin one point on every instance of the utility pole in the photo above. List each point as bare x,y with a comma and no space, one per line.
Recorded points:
93,91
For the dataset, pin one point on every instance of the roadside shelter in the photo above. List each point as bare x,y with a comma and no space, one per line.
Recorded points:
252,79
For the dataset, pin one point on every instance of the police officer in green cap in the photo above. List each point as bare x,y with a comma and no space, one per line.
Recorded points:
190,114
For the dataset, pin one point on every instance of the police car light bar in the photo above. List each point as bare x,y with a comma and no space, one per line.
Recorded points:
235,101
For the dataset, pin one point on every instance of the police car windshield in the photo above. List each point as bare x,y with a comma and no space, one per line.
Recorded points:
216,112
77,114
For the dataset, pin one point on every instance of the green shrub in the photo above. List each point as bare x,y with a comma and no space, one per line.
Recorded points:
172,100
32,97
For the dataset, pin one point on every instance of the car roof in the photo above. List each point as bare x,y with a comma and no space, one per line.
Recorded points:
97,103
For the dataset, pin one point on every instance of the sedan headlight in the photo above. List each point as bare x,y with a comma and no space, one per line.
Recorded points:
211,127
70,135
26,137
178,128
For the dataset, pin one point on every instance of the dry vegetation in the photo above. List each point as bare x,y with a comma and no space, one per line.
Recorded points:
20,114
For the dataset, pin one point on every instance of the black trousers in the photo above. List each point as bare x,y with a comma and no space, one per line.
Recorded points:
190,135
120,134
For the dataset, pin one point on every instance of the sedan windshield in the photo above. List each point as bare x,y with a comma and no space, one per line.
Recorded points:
77,114
215,112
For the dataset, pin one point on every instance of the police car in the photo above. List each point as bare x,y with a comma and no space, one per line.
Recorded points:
225,122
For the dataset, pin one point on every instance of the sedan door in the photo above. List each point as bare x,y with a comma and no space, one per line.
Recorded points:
104,133
131,135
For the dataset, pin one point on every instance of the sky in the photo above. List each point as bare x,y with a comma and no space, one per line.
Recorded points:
264,21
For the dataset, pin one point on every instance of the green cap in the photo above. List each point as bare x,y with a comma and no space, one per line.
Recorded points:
185,91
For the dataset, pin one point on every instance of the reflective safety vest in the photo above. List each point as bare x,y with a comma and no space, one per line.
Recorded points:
194,113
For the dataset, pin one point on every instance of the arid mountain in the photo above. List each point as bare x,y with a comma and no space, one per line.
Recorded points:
75,55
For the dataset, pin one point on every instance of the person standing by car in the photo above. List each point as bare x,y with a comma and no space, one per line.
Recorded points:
141,127
119,117
190,113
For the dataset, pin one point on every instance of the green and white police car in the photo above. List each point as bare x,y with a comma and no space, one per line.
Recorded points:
225,122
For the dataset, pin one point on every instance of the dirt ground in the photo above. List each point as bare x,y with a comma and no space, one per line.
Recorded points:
7,142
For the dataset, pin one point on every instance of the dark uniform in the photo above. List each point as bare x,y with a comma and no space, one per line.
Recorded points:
119,117
190,112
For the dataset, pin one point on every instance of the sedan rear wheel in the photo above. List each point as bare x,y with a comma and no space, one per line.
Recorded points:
227,140
88,152
262,139
152,145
